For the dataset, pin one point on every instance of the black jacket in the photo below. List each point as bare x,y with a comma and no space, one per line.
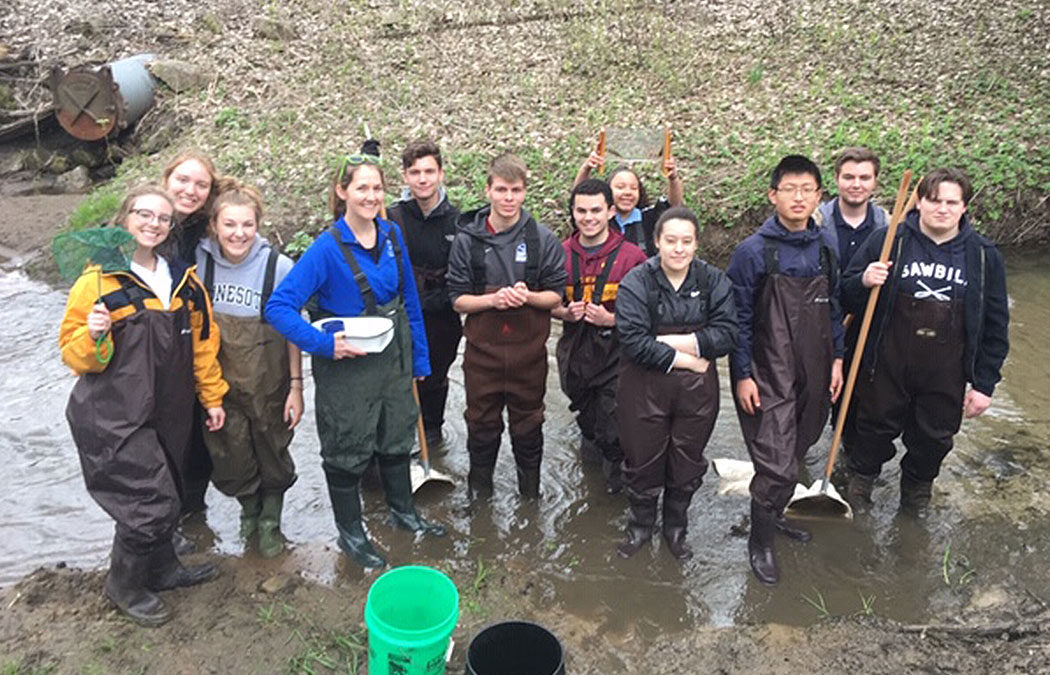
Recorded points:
647,304
429,240
987,312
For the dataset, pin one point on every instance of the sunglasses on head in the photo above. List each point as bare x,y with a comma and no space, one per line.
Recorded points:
355,160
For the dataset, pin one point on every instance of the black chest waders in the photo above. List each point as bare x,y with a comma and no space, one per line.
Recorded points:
666,420
792,355
505,366
250,453
131,422
915,392
588,362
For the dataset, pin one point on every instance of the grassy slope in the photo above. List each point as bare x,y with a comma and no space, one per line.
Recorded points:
743,82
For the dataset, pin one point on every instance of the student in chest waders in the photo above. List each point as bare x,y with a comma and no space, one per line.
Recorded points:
265,402
633,215
506,272
674,316
596,260
941,323
129,416
428,220
193,180
364,401
787,367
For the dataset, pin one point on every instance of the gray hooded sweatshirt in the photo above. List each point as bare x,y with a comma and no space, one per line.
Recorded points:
237,288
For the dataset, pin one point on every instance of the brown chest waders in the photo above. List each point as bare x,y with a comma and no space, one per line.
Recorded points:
666,420
588,365
916,390
792,354
130,422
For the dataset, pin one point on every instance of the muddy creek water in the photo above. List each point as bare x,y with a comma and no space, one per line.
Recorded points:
986,542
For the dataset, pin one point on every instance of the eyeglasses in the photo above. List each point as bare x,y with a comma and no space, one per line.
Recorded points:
150,216
355,160
804,190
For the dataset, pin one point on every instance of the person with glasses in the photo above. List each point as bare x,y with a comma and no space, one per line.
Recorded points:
364,401
787,367
128,413
428,219
506,272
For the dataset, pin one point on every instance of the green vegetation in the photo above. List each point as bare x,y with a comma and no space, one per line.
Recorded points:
98,208
320,649
539,78
956,570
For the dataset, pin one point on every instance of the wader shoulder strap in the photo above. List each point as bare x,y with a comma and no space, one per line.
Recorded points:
363,286
829,265
532,255
268,281
209,274
477,265
653,302
771,256
400,264
129,293
603,277
577,277
193,292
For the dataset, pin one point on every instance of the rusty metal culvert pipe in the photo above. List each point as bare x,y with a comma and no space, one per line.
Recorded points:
92,103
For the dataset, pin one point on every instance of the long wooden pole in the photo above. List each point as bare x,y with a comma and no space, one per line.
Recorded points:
900,209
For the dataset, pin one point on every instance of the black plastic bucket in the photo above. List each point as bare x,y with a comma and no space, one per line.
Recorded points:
515,648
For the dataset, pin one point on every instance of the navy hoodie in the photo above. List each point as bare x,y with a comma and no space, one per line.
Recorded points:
799,256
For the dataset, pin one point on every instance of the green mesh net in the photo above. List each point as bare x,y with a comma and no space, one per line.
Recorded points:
109,247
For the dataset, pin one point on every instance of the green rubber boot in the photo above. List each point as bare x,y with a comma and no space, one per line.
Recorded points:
250,507
271,541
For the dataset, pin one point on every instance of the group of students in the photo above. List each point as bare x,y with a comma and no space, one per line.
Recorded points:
208,307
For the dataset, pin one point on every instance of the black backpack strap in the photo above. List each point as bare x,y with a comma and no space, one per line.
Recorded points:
209,274
532,255
771,256
363,286
577,277
268,282
477,265
653,302
603,276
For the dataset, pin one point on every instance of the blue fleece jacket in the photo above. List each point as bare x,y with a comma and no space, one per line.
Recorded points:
323,270
798,256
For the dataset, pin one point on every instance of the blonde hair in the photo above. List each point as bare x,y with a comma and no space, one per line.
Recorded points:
187,154
232,192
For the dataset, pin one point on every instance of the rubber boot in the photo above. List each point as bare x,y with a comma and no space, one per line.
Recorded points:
183,544
479,481
858,490
126,588
589,451
483,450
344,489
250,507
613,476
915,496
760,544
529,482
397,484
792,531
166,571
676,520
641,520
271,542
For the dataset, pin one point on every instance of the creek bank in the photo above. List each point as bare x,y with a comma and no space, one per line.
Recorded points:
57,620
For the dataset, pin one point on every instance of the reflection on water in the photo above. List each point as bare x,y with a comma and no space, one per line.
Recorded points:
989,516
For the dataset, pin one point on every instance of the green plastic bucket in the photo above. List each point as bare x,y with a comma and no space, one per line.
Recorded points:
410,613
